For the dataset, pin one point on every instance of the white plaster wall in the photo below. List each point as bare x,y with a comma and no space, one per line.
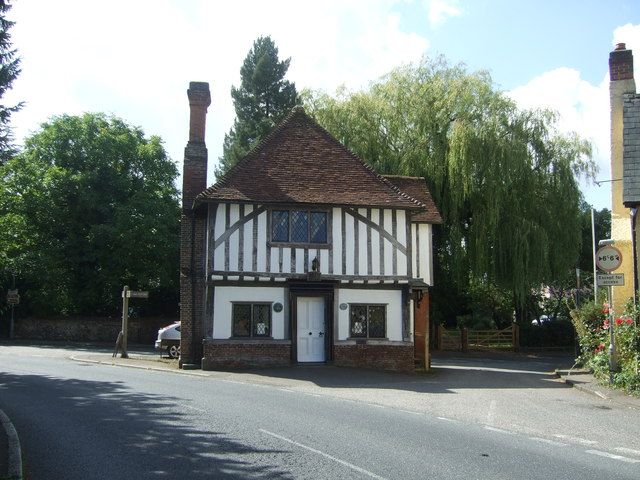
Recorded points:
234,239
401,236
392,298
349,247
218,254
336,240
262,242
222,309
247,264
388,248
375,243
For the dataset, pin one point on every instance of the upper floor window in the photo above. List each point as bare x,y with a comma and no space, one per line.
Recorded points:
299,226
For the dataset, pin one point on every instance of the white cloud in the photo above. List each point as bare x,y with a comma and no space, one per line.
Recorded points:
135,59
440,10
583,108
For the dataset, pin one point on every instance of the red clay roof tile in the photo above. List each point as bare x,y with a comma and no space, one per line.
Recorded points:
300,162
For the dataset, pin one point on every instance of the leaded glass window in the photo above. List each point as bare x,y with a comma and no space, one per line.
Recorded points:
280,225
299,226
251,320
318,227
368,321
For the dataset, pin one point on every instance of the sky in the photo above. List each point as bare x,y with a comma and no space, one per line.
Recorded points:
135,58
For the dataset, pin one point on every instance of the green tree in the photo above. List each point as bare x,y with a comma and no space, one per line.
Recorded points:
89,206
262,101
602,223
503,178
9,71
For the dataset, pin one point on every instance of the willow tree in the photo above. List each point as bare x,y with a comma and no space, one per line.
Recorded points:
504,179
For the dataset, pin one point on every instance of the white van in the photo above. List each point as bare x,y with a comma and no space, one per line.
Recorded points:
169,340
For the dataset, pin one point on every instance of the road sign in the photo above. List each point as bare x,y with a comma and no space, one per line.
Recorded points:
137,294
608,258
611,280
13,297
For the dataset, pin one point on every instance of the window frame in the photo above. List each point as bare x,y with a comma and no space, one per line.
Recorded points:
251,336
368,305
309,210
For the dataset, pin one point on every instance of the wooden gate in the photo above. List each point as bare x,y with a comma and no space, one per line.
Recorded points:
464,339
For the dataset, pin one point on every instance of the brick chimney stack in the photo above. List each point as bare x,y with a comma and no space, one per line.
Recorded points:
620,86
194,179
621,63
193,224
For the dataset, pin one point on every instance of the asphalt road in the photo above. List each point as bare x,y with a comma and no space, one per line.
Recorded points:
89,421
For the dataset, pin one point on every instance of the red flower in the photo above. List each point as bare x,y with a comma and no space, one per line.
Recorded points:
628,321
605,325
605,308
600,347
618,321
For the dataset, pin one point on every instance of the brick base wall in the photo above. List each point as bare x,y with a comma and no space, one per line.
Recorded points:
381,357
245,354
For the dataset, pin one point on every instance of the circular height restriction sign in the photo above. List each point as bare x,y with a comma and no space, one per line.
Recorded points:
608,258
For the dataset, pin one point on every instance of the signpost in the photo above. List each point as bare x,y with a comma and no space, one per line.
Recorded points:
610,280
13,299
608,259
126,295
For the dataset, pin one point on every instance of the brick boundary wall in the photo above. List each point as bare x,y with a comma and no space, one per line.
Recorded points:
89,329
245,354
383,357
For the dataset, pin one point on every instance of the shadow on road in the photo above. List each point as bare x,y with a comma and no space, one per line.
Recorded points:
449,374
132,435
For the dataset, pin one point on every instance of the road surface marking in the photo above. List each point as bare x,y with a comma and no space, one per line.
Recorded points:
326,455
630,451
611,455
491,369
601,395
491,414
499,430
411,412
445,419
546,440
312,394
288,390
583,441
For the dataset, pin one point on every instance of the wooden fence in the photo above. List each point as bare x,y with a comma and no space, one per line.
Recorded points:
464,339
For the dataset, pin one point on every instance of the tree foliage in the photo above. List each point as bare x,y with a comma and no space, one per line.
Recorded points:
503,178
261,102
89,206
9,71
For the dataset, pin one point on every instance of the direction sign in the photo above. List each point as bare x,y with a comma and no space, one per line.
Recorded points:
610,280
13,297
137,294
608,258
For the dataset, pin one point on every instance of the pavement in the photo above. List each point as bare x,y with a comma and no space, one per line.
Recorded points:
321,376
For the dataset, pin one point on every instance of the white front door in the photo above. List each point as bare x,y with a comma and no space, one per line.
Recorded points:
311,329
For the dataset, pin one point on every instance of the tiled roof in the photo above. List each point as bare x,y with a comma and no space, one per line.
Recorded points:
300,162
631,152
416,187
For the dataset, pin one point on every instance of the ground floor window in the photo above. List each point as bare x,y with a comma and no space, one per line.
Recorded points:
368,321
251,320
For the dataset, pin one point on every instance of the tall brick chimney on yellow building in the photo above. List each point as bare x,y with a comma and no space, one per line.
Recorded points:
623,175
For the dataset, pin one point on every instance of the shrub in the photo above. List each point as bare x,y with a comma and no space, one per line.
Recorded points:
592,323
